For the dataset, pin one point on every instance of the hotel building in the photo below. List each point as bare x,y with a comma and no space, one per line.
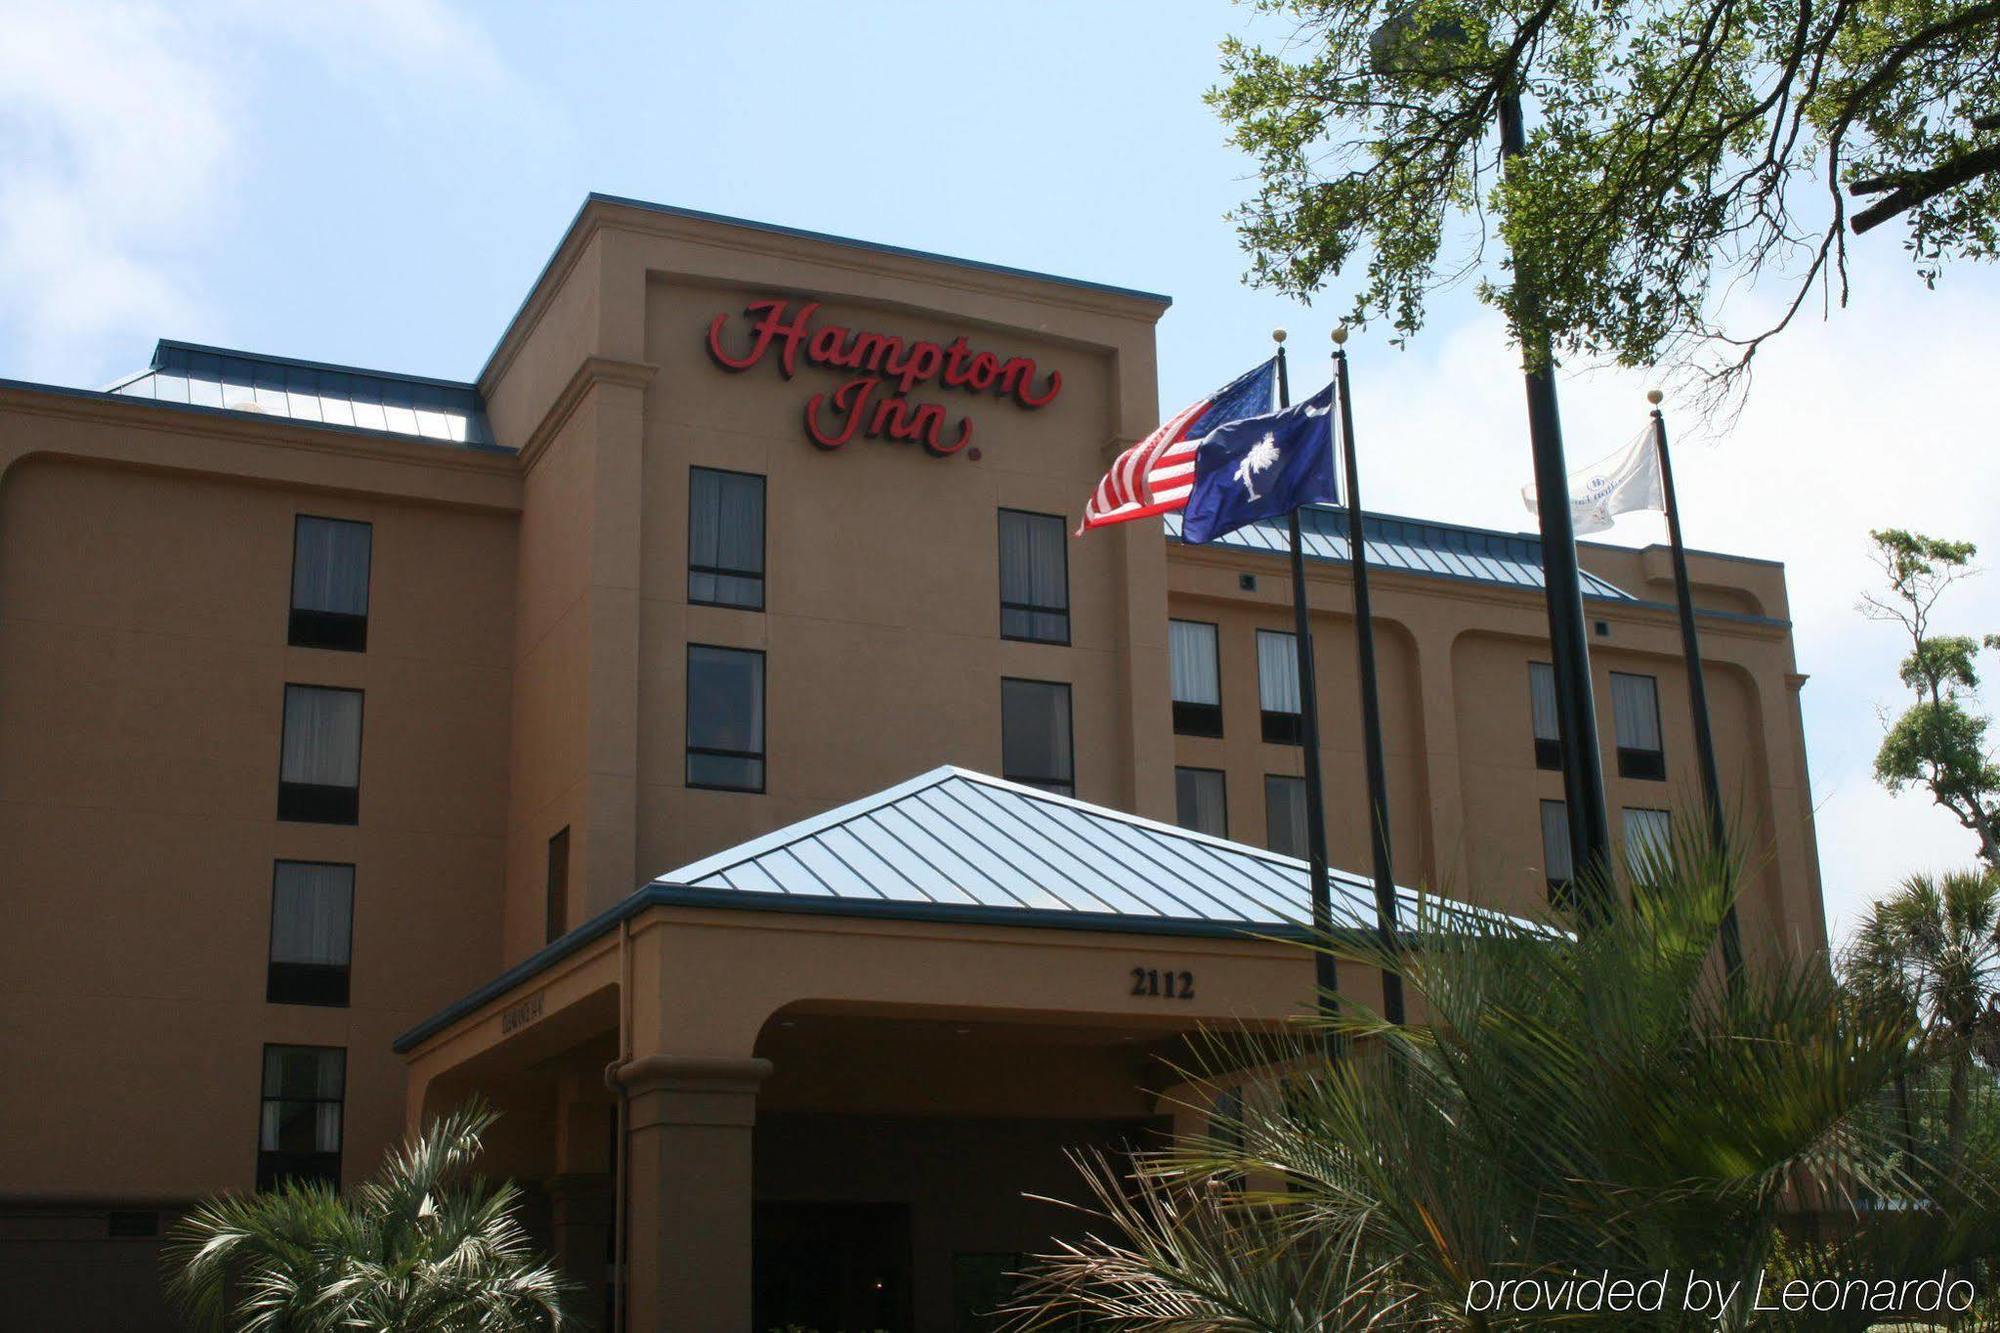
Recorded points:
701,737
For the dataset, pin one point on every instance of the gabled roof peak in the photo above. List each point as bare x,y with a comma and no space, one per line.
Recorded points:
967,842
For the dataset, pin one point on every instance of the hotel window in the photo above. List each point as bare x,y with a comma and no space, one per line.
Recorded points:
725,718
1649,837
1034,577
1200,797
1556,863
319,765
556,922
312,926
1035,735
330,583
726,538
1197,673
1278,686
299,1132
1635,719
1285,815
1542,699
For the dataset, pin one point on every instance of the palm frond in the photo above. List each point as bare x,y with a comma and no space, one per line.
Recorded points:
1570,1098
427,1244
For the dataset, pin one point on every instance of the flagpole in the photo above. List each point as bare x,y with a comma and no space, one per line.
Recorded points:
1704,736
1371,704
1325,975
1569,645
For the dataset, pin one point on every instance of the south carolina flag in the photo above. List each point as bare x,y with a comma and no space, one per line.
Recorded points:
1262,467
1156,475
1627,480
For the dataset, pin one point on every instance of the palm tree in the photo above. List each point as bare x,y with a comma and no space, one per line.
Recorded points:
1931,951
1567,1101
426,1245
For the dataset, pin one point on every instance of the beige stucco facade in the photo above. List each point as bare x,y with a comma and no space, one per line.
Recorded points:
525,673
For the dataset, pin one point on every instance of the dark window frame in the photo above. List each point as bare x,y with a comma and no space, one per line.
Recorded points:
1048,784
763,542
322,985
331,631
1625,814
1305,838
1279,727
690,749
1031,608
1192,719
1223,776
1563,894
1636,761
555,905
273,1164
1548,749
319,802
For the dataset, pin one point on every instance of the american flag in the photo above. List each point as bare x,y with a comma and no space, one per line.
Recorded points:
1155,475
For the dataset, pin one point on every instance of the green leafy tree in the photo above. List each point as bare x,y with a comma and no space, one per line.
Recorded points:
1677,150
1931,951
427,1245
1562,1105
1939,743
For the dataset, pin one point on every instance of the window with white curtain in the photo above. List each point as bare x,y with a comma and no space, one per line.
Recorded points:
1285,815
725,718
330,559
1649,836
1201,801
319,766
1635,719
1278,686
1034,577
299,1132
1557,864
312,924
1542,704
1035,739
726,538
1197,675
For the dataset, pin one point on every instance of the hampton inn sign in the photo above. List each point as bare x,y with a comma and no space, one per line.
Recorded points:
885,369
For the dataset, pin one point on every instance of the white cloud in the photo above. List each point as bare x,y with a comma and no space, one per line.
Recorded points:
112,143
127,131
1880,417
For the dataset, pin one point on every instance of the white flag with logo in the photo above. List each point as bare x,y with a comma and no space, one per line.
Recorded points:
1627,480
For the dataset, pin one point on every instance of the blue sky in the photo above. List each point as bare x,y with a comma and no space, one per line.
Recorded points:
377,183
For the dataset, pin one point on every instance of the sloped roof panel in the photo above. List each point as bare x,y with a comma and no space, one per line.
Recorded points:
1445,550
954,838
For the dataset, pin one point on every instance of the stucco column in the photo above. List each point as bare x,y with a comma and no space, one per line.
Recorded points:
688,1144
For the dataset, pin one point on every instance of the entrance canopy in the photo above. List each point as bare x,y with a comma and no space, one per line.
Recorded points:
954,846
904,986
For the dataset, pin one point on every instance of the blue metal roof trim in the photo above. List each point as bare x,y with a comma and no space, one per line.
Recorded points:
1445,550
444,412
956,846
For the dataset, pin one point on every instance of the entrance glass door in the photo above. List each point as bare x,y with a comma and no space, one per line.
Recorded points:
832,1267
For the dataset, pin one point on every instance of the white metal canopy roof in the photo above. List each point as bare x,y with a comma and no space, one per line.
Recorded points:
952,838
